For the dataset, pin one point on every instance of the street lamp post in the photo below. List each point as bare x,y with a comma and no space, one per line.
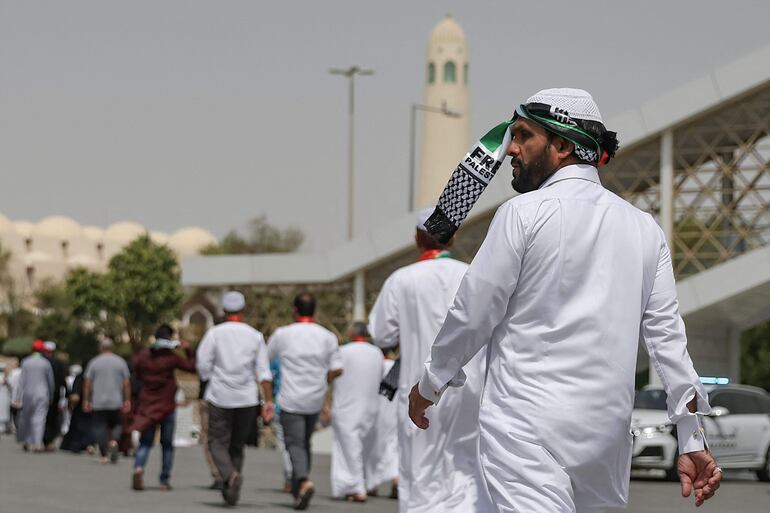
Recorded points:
412,136
350,73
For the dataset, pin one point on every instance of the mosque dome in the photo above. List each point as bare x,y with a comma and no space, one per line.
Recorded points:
189,241
5,224
447,31
59,228
125,232
24,228
93,233
159,237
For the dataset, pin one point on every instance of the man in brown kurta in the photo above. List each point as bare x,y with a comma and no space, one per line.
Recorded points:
156,407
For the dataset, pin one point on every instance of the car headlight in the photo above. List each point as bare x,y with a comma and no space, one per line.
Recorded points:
654,430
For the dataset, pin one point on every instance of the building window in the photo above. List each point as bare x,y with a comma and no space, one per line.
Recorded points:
431,72
465,73
450,72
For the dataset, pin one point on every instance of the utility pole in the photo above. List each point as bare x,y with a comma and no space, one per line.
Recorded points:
350,73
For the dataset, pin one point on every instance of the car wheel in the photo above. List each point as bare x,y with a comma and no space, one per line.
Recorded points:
672,473
763,474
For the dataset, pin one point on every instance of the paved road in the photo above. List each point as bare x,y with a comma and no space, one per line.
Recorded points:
65,483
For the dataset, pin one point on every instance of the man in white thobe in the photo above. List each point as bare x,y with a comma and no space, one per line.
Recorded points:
33,396
438,469
383,466
567,278
355,403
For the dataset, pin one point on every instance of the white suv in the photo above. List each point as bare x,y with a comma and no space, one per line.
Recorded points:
738,430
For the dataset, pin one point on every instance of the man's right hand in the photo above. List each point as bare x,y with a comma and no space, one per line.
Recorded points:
698,470
87,407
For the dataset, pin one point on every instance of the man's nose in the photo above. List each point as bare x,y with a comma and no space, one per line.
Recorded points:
513,150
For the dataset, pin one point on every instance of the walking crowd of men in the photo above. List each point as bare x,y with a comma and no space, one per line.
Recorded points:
496,359
109,408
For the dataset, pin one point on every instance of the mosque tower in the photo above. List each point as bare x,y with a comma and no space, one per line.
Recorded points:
445,139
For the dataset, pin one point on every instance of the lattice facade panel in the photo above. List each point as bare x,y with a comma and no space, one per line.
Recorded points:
634,176
721,185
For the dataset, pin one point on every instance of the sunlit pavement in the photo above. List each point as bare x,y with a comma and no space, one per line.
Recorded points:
63,482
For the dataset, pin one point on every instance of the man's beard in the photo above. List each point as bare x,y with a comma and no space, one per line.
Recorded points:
532,175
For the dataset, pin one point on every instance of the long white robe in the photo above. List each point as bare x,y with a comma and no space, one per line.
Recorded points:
34,392
5,403
566,279
438,468
382,467
355,402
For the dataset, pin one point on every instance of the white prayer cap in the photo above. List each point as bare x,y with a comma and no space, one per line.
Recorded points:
75,369
422,217
50,346
233,301
577,102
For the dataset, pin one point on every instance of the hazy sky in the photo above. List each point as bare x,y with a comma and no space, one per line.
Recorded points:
175,113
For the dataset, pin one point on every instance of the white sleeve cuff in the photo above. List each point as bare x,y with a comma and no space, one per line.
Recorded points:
689,431
428,390
432,387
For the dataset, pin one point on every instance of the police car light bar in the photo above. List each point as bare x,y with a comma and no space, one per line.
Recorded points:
710,380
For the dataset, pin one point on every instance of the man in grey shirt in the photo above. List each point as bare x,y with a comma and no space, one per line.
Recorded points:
107,392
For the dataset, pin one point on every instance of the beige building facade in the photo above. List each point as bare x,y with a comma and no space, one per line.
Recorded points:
49,249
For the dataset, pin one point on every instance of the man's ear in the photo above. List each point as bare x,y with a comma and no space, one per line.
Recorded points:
564,148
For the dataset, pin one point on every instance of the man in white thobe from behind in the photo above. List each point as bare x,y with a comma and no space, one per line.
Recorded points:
567,278
383,467
355,403
438,469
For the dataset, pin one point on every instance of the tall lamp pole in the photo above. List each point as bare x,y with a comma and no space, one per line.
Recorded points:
350,73
412,136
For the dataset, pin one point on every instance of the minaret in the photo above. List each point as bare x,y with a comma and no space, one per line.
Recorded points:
444,139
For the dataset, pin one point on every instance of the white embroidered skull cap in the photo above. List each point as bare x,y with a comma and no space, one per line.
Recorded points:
577,102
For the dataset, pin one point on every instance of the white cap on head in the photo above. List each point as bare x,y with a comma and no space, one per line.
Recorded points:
50,346
233,301
75,369
422,217
577,102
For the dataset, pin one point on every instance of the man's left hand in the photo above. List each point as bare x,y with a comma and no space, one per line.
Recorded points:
698,471
417,406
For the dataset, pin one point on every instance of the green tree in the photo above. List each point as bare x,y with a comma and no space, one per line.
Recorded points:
140,290
58,322
91,303
755,356
143,288
262,237
17,320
